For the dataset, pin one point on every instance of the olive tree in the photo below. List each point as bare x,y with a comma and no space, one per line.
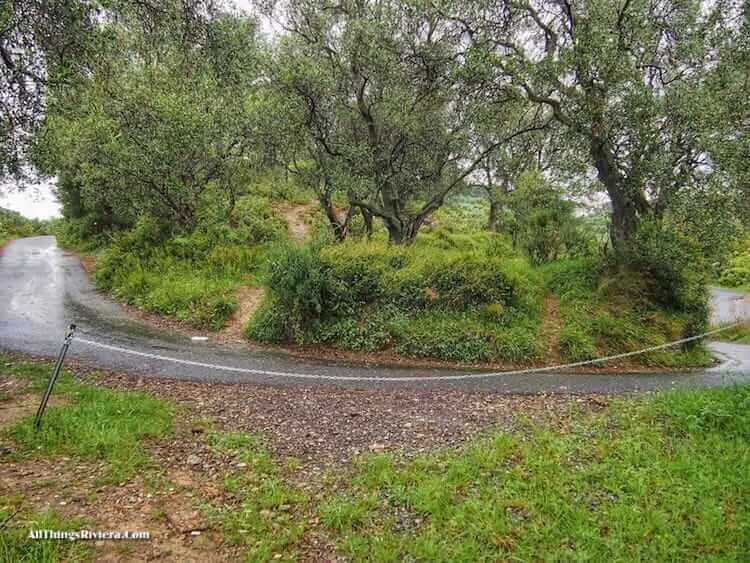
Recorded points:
614,75
388,100
52,44
154,135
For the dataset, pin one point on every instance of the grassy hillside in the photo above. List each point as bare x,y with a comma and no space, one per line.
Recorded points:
458,294
461,294
191,276
467,298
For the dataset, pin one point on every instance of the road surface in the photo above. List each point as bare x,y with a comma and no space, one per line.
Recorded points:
42,290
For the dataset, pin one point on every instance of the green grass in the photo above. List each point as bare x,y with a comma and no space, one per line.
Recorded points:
269,519
666,477
16,546
97,424
603,313
189,276
177,290
739,335
660,479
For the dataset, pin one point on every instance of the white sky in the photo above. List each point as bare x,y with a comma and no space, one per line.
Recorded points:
36,201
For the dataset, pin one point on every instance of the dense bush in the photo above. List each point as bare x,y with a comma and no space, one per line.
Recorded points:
188,276
737,272
78,233
677,268
607,308
469,305
256,220
472,298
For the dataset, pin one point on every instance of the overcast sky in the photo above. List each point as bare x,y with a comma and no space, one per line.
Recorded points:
36,201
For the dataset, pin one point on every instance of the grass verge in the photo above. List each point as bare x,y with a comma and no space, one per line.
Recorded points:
657,479
738,335
16,546
272,514
98,423
662,477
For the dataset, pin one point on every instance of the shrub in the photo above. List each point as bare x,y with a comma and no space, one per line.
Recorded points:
736,276
268,323
737,272
141,240
424,300
257,221
575,344
298,279
493,312
407,287
677,269
440,335
369,333
543,222
212,313
355,273
465,281
419,278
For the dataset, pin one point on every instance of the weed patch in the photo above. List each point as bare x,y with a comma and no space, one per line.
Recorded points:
97,424
15,544
648,480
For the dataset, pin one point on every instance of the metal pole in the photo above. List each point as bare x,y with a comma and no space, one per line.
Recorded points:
53,377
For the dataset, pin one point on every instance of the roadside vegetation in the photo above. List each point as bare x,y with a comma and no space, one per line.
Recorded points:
739,334
188,275
736,274
14,225
645,479
474,298
93,424
665,476
402,180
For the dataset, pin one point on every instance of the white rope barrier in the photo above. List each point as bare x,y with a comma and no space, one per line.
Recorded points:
396,379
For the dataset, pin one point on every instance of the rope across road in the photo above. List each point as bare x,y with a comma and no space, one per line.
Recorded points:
397,379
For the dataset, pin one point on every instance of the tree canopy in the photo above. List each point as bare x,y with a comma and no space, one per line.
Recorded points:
386,106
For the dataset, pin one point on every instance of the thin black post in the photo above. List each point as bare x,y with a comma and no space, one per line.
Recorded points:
53,377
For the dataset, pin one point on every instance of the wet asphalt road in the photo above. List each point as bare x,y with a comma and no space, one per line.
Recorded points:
42,290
